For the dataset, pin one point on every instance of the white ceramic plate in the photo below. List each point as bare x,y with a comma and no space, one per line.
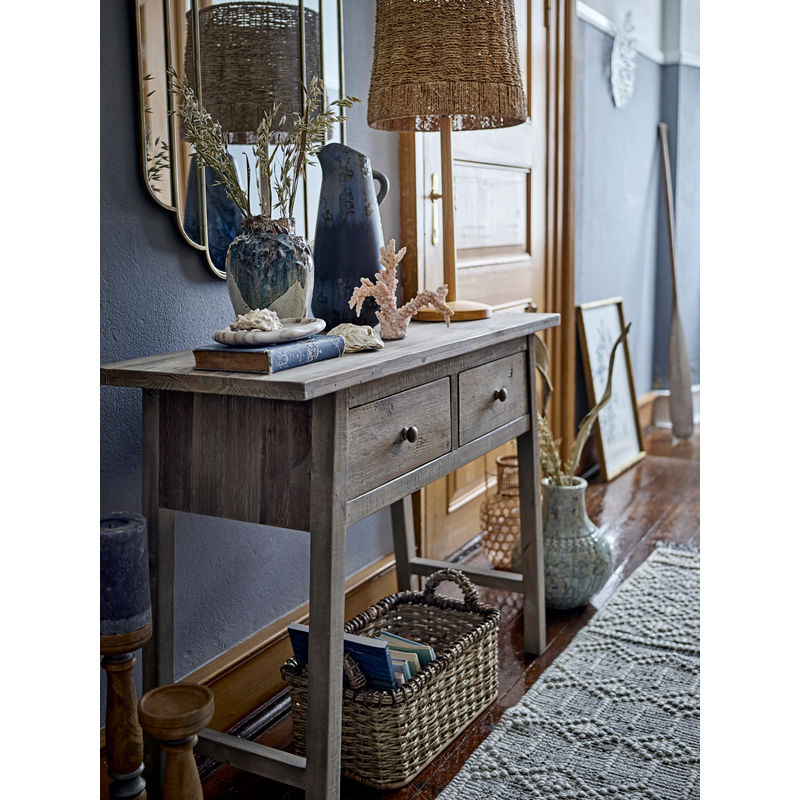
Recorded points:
292,329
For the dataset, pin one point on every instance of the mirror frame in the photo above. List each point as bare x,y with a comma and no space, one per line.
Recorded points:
172,128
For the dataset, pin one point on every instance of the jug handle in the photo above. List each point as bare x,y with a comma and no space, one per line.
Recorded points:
384,184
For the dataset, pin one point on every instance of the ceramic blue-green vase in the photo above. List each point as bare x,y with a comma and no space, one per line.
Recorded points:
577,557
269,266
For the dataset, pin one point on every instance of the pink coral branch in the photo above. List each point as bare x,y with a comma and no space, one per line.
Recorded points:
429,297
361,293
394,321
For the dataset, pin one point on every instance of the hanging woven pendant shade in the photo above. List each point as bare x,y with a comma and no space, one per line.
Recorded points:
454,58
249,58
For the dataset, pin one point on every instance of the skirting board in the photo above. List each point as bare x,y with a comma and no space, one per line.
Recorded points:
645,402
661,418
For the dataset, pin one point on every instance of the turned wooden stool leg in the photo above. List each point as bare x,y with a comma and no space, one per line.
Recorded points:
124,746
174,715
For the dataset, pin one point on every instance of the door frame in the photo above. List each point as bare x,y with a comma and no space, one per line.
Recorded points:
560,222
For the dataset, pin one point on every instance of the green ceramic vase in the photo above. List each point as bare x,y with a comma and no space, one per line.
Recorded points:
269,266
577,557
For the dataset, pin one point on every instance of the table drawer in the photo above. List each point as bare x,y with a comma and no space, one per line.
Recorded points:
378,450
491,395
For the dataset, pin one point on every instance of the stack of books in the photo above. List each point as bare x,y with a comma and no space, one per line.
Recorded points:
387,661
408,657
270,358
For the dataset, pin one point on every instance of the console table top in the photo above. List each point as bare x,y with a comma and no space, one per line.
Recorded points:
425,343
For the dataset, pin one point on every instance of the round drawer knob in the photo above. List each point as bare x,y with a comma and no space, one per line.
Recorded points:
410,433
501,394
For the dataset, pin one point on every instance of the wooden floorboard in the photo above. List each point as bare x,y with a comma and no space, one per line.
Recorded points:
658,500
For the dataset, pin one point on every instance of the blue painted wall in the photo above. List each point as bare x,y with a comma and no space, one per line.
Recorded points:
616,192
620,227
157,295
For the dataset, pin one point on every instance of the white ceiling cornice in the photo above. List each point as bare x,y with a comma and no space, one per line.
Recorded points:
603,23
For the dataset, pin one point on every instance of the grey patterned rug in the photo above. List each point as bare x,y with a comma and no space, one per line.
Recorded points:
617,714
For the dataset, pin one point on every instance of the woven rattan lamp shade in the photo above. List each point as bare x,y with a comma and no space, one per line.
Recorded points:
455,58
250,57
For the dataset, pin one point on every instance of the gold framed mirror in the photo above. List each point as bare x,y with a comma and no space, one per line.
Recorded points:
239,57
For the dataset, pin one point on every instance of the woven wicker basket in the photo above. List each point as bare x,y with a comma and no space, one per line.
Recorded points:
388,737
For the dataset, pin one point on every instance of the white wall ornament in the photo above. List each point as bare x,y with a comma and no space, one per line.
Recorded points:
623,63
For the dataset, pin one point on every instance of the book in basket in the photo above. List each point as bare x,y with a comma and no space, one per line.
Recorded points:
402,670
270,358
372,655
419,654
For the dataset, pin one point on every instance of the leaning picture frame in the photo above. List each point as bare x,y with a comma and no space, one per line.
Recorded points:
618,431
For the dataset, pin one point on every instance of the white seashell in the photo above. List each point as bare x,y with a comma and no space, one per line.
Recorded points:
260,319
357,337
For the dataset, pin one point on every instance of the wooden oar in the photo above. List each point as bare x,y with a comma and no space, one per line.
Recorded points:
679,374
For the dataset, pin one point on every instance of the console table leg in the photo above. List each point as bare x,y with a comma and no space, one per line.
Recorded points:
158,655
530,508
328,526
530,512
158,667
405,545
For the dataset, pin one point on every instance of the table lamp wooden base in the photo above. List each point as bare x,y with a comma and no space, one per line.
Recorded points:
463,311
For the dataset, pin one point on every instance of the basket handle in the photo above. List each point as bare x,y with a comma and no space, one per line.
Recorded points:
354,677
456,576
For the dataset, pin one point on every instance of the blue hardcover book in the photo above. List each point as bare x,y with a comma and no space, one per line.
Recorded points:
372,655
271,358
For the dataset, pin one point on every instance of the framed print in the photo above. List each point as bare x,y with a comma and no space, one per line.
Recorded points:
618,431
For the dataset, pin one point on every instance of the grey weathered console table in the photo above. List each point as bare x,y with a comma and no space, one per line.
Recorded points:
317,448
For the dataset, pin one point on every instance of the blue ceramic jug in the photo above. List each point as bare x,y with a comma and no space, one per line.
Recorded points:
348,238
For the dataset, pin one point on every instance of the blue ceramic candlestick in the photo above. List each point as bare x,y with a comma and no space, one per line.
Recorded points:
124,575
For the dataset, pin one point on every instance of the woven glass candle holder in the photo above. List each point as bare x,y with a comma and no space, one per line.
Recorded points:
500,515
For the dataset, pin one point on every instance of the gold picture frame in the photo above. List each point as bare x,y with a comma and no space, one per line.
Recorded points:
618,431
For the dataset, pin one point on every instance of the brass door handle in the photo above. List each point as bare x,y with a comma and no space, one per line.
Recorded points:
434,196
